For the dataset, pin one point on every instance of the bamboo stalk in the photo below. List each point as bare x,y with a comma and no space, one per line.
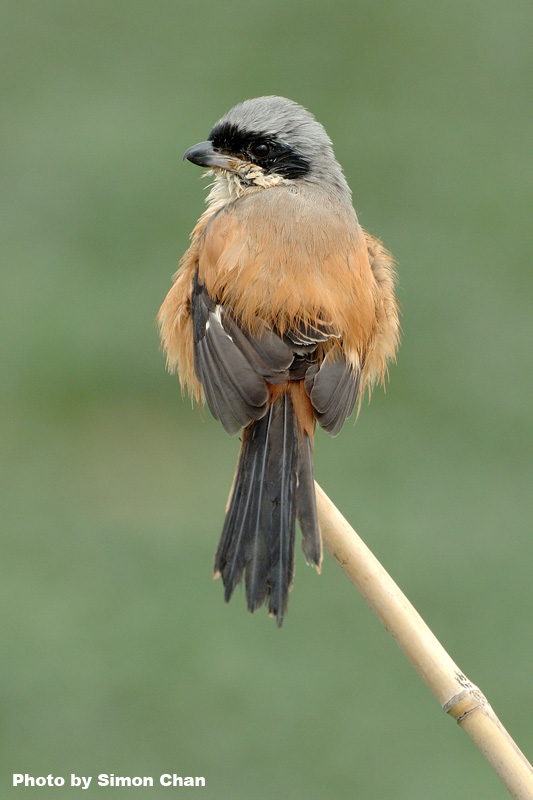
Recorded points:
457,695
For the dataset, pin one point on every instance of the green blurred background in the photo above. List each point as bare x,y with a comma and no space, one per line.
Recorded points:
119,654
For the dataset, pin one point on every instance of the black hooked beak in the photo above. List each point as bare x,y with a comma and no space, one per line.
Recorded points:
205,155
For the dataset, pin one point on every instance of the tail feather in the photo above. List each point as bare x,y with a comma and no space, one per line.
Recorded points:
235,534
282,487
306,506
273,486
256,551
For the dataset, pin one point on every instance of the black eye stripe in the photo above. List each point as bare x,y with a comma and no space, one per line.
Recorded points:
232,139
229,137
273,155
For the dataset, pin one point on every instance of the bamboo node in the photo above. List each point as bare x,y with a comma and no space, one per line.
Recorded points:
466,713
454,700
465,702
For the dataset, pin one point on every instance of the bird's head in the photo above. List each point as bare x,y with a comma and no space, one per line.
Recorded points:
270,141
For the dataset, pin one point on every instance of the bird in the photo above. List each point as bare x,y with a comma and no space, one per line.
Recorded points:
282,312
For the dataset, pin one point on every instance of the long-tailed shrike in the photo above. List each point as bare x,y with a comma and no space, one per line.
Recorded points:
282,312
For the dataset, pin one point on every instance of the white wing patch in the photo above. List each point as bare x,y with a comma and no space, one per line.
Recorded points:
217,314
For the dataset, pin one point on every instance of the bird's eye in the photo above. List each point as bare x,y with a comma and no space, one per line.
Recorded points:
260,150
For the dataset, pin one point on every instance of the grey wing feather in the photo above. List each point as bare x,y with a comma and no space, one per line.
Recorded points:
333,388
233,393
268,354
305,334
232,365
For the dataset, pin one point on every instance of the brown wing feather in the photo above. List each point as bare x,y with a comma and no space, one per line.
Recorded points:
385,336
175,322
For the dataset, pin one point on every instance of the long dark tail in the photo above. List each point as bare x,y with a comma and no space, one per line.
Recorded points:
273,486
